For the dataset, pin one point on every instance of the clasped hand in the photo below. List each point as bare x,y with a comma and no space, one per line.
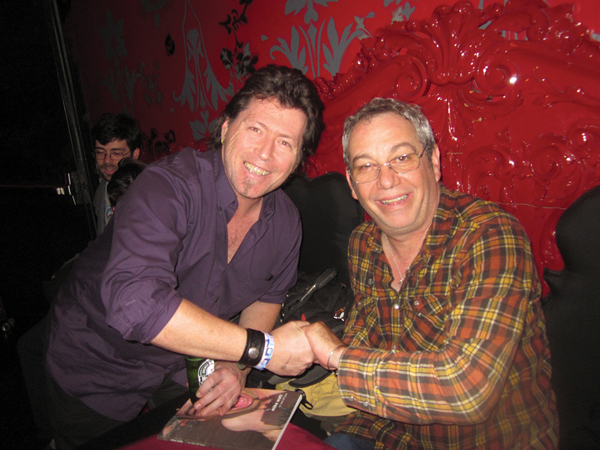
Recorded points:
300,344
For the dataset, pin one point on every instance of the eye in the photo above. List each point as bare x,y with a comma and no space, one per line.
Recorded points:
288,146
365,167
256,130
401,159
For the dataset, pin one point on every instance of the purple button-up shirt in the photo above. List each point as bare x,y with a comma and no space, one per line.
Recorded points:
167,241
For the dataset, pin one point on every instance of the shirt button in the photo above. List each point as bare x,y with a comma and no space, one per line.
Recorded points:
420,315
370,282
396,306
394,347
417,303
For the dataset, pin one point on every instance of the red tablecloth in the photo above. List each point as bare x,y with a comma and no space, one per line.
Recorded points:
294,438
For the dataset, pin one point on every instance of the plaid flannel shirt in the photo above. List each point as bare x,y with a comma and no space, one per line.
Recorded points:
458,359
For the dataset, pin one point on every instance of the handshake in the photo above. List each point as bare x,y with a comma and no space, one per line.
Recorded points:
299,344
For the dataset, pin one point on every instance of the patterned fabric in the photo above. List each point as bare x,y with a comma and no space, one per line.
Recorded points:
459,358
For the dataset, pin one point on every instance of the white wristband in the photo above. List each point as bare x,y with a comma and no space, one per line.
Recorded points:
267,353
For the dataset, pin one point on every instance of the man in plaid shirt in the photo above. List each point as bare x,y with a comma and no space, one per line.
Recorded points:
446,345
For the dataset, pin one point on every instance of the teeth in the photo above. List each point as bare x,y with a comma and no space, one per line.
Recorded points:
255,170
395,200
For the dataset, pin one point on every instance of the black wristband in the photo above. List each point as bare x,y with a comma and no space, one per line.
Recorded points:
255,347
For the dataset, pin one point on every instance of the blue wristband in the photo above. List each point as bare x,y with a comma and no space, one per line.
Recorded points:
267,353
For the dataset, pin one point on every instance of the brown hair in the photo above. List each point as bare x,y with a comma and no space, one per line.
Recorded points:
291,89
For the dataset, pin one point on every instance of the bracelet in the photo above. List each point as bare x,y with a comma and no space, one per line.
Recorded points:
331,354
255,347
268,353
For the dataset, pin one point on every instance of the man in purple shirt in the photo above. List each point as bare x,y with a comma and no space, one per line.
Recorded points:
197,239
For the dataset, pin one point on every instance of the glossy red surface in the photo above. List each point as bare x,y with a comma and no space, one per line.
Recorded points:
512,94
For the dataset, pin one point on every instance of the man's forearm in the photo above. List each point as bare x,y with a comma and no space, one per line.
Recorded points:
260,316
195,332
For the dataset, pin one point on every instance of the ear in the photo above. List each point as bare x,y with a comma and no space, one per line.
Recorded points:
224,129
351,183
435,163
135,154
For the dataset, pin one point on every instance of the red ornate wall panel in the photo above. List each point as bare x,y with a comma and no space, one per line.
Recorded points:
517,118
174,64
510,87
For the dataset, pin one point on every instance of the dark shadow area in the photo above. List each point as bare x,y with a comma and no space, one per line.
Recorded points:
40,229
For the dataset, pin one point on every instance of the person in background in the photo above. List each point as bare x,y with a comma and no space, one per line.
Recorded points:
115,136
446,344
128,170
199,239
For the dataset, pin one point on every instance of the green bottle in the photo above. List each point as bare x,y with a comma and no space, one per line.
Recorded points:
198,370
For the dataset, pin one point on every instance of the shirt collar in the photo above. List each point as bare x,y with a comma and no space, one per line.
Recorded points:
442,228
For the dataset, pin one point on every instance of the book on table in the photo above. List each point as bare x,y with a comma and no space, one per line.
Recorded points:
256,422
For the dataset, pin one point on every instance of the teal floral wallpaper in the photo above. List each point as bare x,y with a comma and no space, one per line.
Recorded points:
174,64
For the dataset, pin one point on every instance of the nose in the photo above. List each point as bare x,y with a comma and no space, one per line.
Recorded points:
387,177
266,149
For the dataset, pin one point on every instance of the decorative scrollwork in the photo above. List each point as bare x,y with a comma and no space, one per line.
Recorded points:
511,92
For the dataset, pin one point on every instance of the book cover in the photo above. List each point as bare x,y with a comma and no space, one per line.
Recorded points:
256,422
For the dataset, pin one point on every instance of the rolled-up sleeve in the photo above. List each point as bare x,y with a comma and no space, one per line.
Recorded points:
139,283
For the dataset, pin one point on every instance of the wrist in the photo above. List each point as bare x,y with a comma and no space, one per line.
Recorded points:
258,351
333,361
268,352
255,346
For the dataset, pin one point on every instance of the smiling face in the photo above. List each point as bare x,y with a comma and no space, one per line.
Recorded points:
401,205
261,148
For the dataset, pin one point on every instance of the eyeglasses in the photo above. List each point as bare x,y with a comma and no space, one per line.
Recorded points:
365,173
115,156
